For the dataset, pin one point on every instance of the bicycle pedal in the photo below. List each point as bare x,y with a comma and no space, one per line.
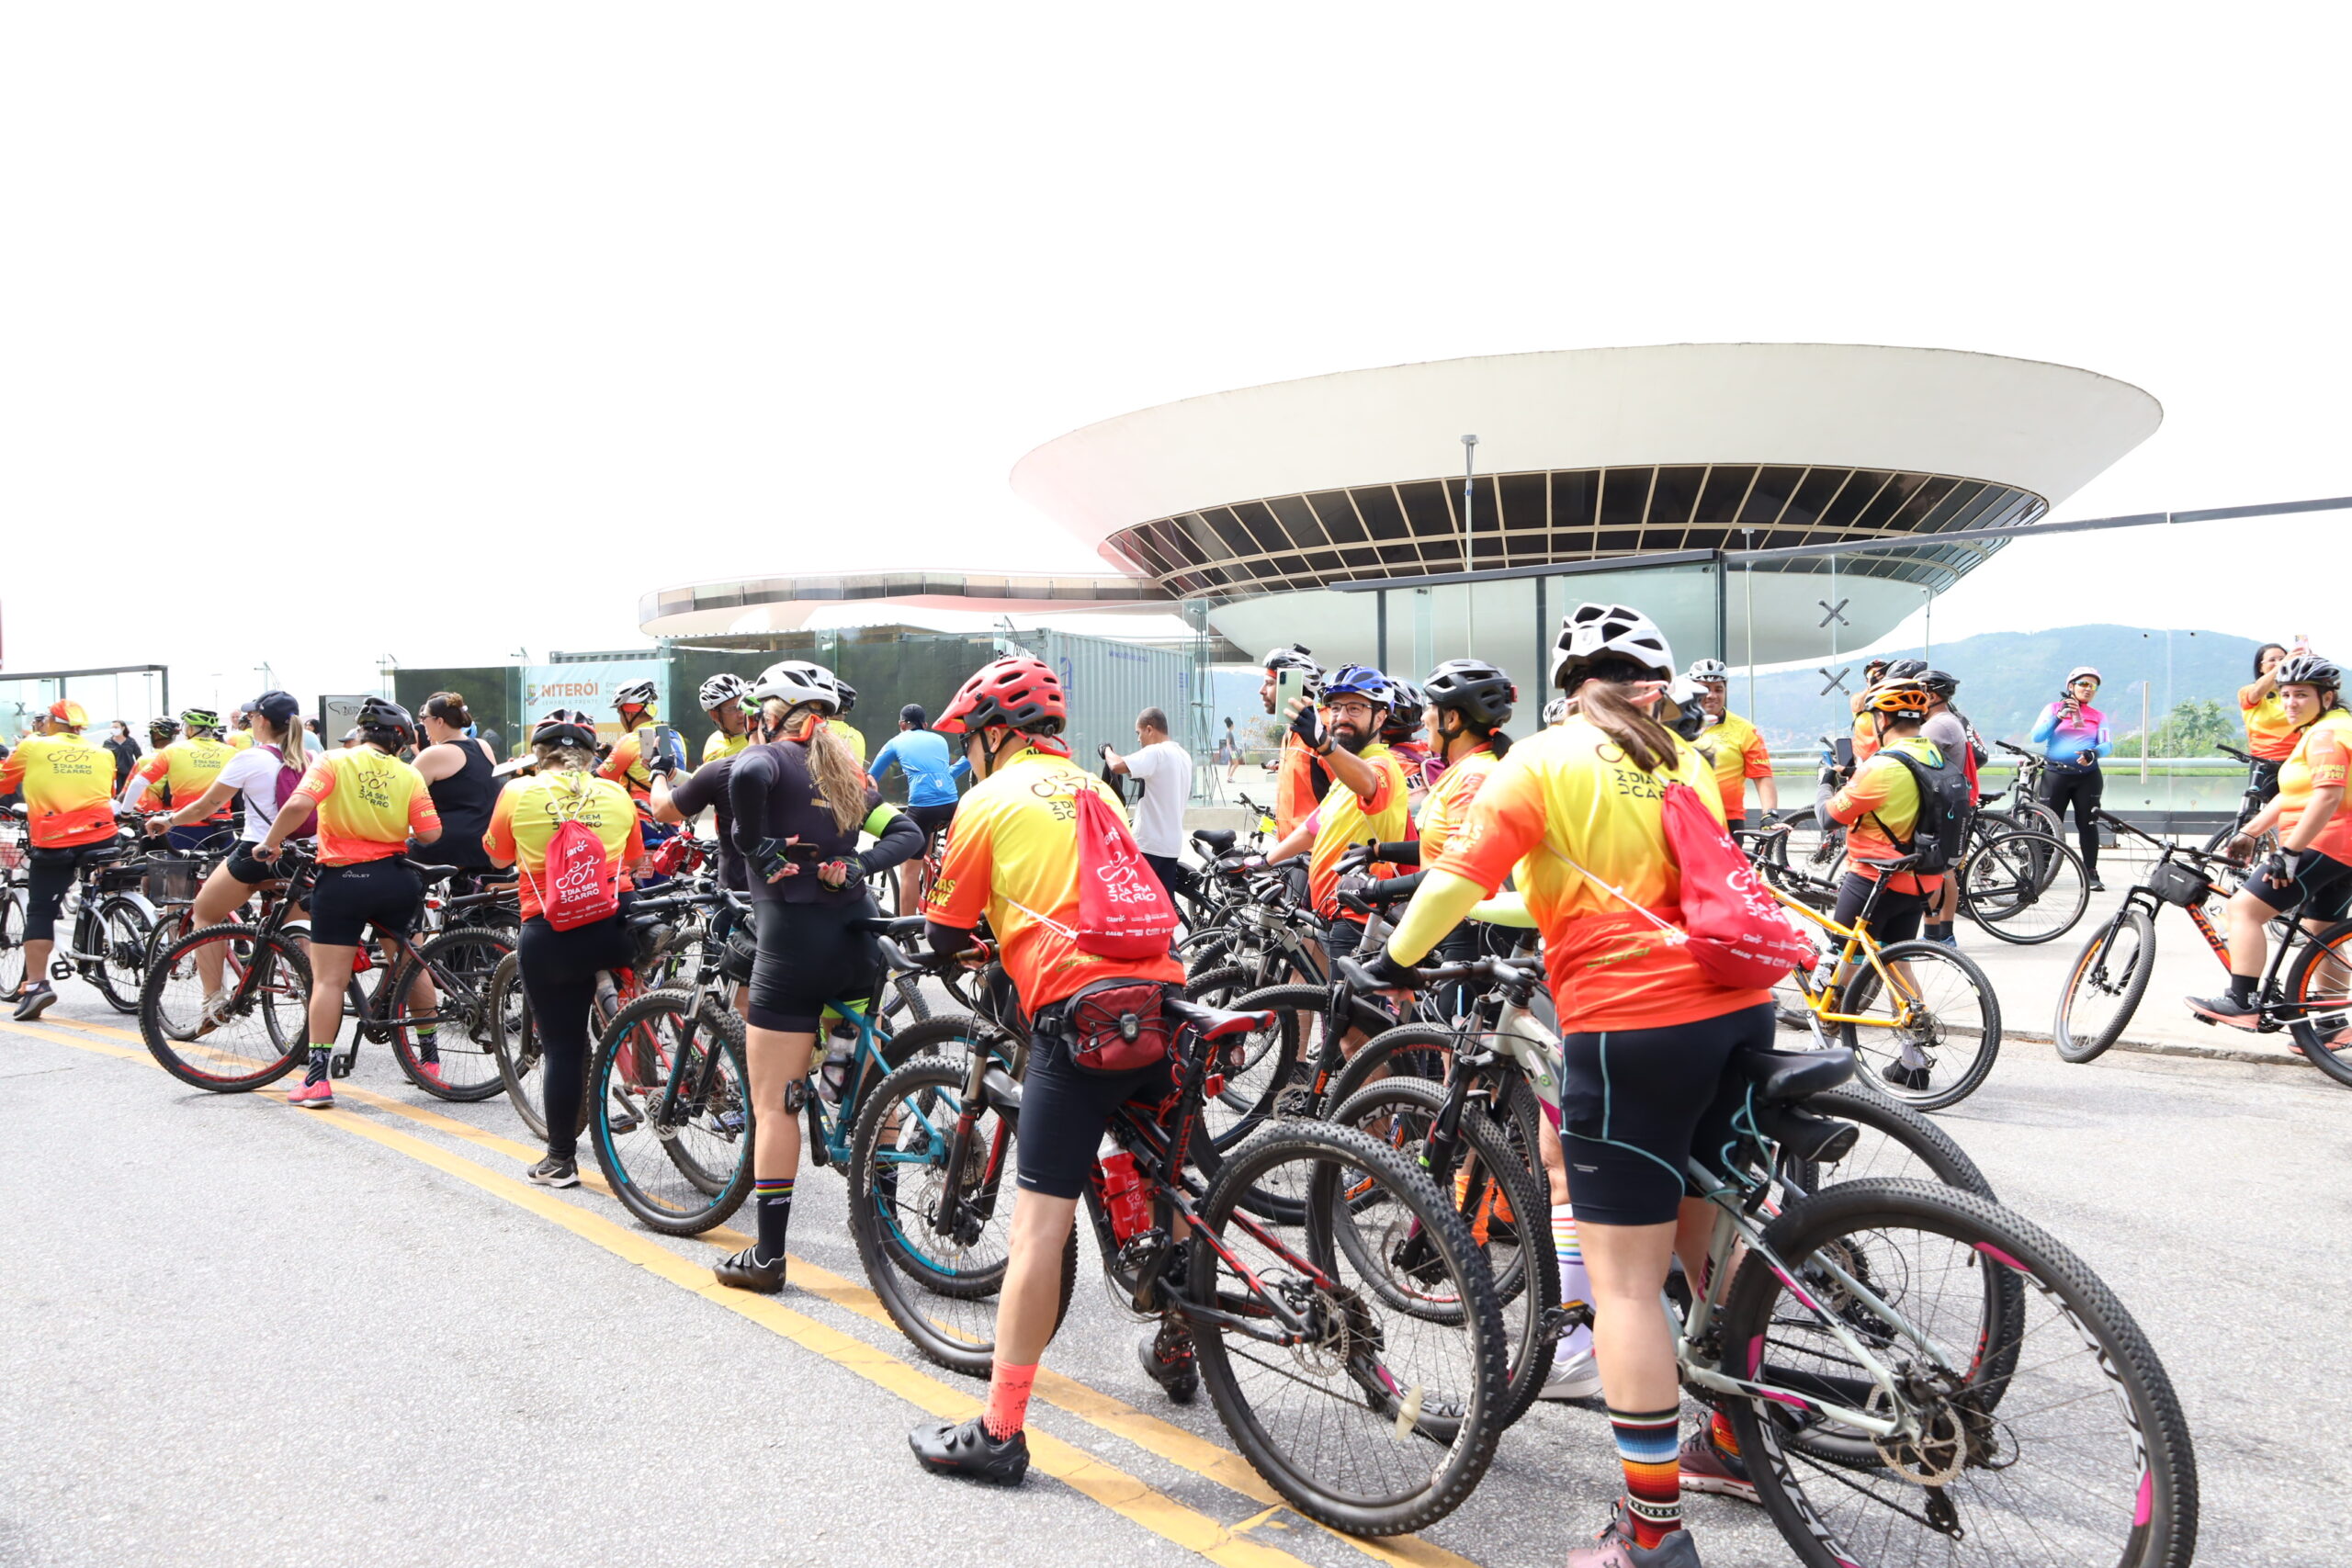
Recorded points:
59,970
339,1066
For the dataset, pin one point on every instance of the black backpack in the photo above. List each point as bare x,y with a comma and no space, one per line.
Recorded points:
1944,813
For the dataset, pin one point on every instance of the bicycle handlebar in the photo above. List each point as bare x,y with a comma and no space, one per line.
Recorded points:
1495,971
2234,751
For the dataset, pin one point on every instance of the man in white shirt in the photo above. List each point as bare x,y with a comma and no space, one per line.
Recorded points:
1165,770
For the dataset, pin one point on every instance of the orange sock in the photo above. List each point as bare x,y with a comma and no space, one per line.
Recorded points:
1008,1409
1721,1432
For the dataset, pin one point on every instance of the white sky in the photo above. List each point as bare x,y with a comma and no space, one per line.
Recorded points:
441,331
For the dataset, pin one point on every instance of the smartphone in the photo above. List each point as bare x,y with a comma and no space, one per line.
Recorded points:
1288,684
654,739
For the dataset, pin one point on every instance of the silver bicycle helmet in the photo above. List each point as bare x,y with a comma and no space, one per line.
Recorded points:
1592,632
720,688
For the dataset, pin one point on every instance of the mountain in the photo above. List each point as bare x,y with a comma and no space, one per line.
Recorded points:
2006,678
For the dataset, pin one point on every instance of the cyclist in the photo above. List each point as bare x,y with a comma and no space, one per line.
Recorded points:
180,773
1948,731
920,754
69,811
1401,733
1366,802
456,769
2269,738
2312,870
240,733
852,737
1865,736
636,708
1648,1039
799,800
1299,779
258,778
1013,861
1736,746
369,805
2073,735
560,967
722,700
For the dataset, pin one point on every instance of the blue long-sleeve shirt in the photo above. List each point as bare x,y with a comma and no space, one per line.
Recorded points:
2063,742
922,756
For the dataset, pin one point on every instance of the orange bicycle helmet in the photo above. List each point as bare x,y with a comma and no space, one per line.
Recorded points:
1908,697
1018,692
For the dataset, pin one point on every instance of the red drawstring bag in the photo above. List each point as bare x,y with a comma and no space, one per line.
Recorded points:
1123,912
1734,928
578,885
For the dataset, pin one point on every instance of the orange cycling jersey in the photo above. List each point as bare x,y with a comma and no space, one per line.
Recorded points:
1012,857
369,804
528,812
1570,794
2319,762
183,770
1737,750
2269,734
1882,806
1865,737
626,767
1298,785
68,785
1447,805
1348,819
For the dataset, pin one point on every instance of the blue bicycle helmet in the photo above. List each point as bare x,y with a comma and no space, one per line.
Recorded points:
1359,680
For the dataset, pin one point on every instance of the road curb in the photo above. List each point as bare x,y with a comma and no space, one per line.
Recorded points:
2203,1053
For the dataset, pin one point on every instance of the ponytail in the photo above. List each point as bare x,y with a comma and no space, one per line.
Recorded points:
1646,743
840,780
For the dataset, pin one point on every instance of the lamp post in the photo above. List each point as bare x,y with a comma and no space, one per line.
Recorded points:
1469,523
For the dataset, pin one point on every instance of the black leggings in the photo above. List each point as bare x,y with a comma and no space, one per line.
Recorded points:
560,976
51,873
2083,789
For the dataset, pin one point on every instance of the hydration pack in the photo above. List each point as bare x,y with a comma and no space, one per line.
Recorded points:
1944,802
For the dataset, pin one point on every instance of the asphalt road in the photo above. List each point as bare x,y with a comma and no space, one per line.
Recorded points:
238,1333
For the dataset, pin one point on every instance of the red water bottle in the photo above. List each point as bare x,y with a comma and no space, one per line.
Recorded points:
1123,1195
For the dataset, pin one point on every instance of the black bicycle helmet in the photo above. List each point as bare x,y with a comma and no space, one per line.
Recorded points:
1906,670
2309,670
385,723
1942,683
565,727
1478,690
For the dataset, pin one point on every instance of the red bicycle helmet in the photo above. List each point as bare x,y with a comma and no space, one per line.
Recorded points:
1018,692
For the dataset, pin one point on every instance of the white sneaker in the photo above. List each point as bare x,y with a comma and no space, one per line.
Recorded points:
1574,1375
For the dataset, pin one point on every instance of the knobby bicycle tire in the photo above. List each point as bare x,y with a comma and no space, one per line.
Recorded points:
2013,875
1899,1124
900,1260
1872,1044
626,1083
1449,1475
1426,1051
2323,1033
1506,1207
464,1026
120,972
1807,1492
189,1060
12,939
2079,1032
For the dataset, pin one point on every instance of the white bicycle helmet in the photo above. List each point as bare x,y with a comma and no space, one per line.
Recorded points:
1555,711
1708,670
635,694
1590,633
1296,658
797,681
719,688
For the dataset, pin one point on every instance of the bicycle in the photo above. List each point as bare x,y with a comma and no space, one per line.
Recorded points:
1403,1366
2250,803
1933,1008
1919,1369
2022,803
2302,991
111,917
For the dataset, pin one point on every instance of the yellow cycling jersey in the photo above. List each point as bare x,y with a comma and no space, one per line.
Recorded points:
722,744
1345,818
183,770
1447,805
368,803
67,783
1737,750
850,737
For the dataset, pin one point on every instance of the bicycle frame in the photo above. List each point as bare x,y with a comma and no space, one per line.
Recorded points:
1859,942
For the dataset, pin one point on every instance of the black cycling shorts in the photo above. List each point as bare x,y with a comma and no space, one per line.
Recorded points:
1064,1112
809,957
49,873
1896,918
2322,888
931,819
1635,1104
349,898
1342,937
248,869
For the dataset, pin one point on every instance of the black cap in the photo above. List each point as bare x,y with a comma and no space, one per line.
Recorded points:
281,708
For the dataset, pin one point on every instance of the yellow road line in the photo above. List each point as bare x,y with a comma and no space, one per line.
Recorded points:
1113,1488
1185,1450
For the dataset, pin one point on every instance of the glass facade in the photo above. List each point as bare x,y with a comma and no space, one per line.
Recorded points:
135,695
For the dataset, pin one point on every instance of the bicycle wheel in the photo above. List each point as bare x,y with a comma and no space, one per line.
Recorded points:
2047,1432
264,1035
2321,981
1506,1207
2024,889
514,1043
1425,1051
12,939
121,970
1931,1043
461,963
2264,842
1894,1140
670,1111
2103,990
1383,1420
935,1257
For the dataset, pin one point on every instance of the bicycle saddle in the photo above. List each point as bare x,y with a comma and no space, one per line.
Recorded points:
1216,1023
1215,840
1783,1075
889,925
432,874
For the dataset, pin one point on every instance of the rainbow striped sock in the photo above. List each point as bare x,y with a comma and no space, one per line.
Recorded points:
1648,1447
1576,1285
772,1206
